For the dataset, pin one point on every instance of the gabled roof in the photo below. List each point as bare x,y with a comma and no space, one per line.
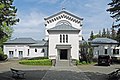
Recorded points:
104,41
63,27
65,13
21,41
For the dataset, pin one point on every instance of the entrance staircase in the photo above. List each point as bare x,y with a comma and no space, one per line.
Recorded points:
63,63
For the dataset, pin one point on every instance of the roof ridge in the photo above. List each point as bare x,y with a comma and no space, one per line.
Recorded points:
63,11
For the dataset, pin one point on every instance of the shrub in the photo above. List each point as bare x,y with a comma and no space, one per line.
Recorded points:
38,58
42,62
84,63
2,55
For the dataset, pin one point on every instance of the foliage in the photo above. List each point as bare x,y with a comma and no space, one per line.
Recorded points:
118,35
84,63
2,55
91,35
38,58
86,52
104,33
113,33
7,19
42,62
108,33
114,10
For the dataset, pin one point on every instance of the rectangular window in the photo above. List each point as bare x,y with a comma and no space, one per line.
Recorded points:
28,52
115,51
63,38
11,54
60,38
20,54
66,38
35,50
105,51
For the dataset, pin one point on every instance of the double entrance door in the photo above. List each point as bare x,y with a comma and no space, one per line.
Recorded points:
64,54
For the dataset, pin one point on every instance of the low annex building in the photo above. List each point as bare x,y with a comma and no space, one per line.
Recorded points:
105,46
25,48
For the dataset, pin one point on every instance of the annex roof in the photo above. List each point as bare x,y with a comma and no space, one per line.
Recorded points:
21,41
103,41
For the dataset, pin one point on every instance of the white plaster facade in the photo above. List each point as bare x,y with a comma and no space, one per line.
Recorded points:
20,50
51,21
106,48
58,48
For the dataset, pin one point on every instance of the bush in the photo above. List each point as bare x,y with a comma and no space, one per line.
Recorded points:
38,58
42,62
2,55
84,63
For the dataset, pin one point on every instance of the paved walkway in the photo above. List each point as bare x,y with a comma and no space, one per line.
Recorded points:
59,72
64,73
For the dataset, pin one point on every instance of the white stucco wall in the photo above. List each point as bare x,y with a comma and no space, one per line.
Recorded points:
52,24
101,48
16,49
73,40
24,48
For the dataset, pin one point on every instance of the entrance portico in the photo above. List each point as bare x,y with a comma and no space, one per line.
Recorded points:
63,52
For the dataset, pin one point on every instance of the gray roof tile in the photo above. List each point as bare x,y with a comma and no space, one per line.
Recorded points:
104,41
63,27
21,41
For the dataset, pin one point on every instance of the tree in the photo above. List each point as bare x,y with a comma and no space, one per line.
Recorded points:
91,36
7,19
118,35
99,34
104,33
113,33
108,33
115,11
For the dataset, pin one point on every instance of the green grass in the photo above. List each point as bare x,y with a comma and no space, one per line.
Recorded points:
42,62
84,63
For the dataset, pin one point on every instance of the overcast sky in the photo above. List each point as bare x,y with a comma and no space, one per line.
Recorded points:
32,13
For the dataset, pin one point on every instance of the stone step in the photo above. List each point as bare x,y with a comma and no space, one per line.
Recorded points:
63,63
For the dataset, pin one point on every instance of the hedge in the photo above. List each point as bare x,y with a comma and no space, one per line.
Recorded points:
38,58
42,62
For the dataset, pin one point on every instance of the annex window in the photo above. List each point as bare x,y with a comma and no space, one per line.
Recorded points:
43,50
115,51
11,53
35,50
28,52
105,51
